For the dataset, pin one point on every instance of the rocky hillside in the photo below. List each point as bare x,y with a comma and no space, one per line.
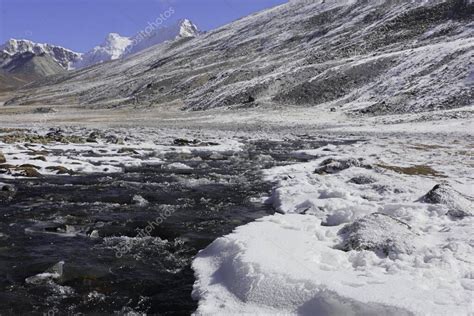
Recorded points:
357,56
26,67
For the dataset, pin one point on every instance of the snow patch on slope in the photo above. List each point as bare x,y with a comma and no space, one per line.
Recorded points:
187,28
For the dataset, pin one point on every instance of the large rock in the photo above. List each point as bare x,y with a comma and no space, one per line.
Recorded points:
56,272
7,193
60,170
459,205
113,139
2,158
332,165
362,179
380,233
128,150
185,142
29,172
55,134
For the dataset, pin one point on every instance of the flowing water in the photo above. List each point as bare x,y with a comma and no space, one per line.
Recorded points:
123,243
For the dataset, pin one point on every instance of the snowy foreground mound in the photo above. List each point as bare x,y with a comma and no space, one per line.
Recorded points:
362,233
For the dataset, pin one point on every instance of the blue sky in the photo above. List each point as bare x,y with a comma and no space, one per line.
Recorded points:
82,24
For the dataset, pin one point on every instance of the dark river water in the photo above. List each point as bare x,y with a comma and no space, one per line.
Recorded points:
123,243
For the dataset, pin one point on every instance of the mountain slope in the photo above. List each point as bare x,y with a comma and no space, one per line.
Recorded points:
30,64
23,68
373,58
9,82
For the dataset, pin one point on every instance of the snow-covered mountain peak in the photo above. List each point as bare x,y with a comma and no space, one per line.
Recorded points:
181,29
116,41
63,56
113,36
113,47
14,46
114,44
187,28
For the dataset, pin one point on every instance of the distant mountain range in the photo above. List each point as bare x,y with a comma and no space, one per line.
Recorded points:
64,57
23,61
116,46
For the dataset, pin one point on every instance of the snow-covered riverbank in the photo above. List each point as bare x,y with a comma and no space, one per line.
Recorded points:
69,151
382,226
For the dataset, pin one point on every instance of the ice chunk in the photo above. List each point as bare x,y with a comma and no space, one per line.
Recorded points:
139,200
178,166
53,273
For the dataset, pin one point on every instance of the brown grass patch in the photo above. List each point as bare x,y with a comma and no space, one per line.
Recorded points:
418,170
10,130
22,137
426,147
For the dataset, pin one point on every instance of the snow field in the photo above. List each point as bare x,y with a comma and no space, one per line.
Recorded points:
357,241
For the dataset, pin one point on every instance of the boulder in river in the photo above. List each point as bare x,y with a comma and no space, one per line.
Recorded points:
7,192
125,150
332,165
55,272
29,172
60,170
185,142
